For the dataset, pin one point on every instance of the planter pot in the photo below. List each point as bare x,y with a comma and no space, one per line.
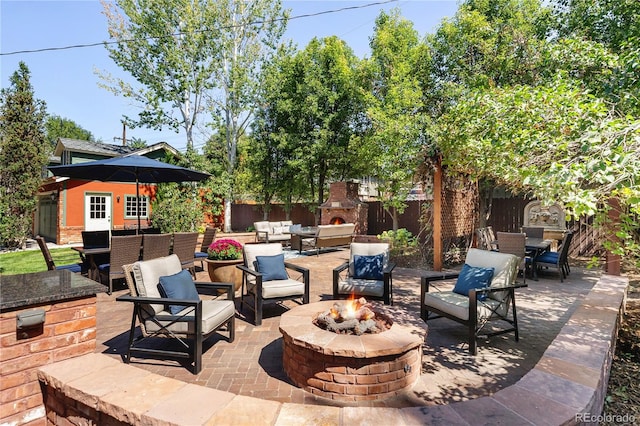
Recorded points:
225,271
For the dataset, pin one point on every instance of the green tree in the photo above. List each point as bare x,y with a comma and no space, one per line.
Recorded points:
168,48
23,156
246,36
58,127
395,110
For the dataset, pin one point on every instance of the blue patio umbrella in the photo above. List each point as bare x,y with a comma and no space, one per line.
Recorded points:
132,168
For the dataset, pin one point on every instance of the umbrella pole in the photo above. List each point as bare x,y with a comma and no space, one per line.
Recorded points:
138,206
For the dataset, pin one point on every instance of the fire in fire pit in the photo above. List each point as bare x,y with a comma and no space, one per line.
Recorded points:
353,317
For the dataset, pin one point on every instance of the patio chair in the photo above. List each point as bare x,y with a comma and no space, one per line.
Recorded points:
484,292
515,243
207,239
368,273
156,245
95,239
533,231
124,250
184,245
554,259
266,278
79,268
167,305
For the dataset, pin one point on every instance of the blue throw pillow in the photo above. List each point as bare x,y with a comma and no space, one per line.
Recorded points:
178,286
271,267
473,277
368,267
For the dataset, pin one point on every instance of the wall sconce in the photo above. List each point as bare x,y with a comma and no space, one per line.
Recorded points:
118,198
54,195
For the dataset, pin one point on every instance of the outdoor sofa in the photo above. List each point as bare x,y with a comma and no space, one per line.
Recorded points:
270,232
324,236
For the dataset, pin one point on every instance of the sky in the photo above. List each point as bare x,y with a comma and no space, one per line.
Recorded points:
66,79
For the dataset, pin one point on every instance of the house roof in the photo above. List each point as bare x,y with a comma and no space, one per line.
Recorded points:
106,150
89,147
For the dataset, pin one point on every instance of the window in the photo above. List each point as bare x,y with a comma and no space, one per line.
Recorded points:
97,207
131,207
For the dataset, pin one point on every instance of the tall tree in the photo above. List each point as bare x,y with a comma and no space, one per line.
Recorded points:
58,127
23,156
395,109
246,36
169,48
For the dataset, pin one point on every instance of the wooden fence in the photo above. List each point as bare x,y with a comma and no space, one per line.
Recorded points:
506,215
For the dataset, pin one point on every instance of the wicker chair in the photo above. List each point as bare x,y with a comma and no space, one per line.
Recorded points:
124,250
51,266
198,320
533,231
515,243
207,239
156,245
184,245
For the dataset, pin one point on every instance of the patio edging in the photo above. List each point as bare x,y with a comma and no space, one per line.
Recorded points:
567,386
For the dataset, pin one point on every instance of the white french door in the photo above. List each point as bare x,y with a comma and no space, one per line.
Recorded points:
97,212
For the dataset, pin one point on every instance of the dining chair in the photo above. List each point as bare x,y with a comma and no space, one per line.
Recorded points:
51,266
184,246
515,243
533,231
156,245
124,250
93,240
559,260
207,239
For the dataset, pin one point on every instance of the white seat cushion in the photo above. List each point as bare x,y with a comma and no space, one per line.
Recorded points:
280,288
361,287
457,305
214,314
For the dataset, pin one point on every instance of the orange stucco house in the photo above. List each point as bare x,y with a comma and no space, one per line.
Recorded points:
66,207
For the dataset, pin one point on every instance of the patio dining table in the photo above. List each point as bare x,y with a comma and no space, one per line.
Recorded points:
90,255
535,247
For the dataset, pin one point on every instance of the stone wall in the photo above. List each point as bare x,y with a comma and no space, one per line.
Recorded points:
69,331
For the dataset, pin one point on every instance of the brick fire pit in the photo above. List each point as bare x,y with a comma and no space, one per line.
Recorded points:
352,368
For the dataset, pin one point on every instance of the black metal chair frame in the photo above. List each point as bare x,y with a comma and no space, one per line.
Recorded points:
193,351
474,327
256,293
387,278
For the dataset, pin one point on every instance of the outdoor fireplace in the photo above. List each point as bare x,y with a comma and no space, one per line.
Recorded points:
350,367
344,206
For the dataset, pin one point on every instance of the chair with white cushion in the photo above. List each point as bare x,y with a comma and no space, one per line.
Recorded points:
266,277
167,304
367,273
484,291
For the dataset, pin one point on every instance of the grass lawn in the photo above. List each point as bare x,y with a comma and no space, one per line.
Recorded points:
26,261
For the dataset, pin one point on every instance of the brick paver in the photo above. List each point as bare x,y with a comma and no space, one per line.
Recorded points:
252,364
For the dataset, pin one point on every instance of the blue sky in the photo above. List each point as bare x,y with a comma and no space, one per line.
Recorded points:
66,81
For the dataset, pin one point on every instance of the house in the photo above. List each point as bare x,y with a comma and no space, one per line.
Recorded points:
66,207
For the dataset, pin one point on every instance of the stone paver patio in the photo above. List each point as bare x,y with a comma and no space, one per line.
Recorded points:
252,364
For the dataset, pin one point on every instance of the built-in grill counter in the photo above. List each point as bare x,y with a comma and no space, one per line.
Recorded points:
45,317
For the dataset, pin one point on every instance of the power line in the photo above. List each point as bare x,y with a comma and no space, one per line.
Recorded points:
105,43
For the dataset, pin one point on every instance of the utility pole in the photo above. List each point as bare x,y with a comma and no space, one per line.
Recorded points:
124,135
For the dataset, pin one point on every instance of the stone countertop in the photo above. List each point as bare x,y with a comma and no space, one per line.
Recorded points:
23,290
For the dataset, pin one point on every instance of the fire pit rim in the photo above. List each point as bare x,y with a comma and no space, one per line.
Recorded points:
297,325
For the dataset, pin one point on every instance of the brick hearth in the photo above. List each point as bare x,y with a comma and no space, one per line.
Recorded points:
348,367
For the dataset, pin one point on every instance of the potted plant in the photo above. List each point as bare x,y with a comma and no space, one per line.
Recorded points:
222,257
